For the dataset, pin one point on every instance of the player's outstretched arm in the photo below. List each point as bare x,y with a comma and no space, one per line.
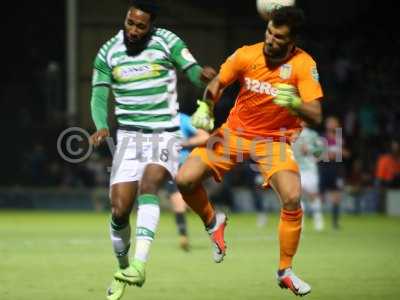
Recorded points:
99,110
199,76
200,138
207,74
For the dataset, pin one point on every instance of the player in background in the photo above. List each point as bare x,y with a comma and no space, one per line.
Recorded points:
279,87
192,137
139,64
387,173
307,148
332,172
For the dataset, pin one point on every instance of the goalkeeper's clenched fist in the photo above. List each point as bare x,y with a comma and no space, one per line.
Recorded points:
203,117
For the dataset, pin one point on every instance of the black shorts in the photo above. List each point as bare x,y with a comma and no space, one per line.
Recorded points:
171,187
330,176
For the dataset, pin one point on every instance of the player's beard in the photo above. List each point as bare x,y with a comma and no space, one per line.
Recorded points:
134,48
276,57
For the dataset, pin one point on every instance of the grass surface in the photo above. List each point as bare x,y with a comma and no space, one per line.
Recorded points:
51,256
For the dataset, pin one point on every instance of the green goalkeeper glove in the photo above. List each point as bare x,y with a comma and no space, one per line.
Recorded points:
203,117
288,96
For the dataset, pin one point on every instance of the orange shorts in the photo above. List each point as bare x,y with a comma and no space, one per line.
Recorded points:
224,150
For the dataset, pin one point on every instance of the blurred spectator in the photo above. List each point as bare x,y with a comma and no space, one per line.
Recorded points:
55,172
52,90
342,69
307,149
35,165
368,120
357,182
387,173
332,169
350,122
388,167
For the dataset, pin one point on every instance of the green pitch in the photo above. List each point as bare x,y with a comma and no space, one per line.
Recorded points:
68,256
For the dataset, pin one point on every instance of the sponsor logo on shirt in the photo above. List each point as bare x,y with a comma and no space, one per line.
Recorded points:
135,72
260,87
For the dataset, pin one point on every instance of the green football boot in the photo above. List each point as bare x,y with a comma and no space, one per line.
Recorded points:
116,289
132,275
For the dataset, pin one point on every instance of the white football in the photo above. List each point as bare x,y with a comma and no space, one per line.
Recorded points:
265,7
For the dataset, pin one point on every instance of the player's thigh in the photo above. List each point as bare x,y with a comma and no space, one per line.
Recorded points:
273,158
164,154
279,168
153,178
193,171
127,164
206,161
286,183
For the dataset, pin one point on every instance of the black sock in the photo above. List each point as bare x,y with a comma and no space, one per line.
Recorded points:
281,272
212,223
335,215
180,220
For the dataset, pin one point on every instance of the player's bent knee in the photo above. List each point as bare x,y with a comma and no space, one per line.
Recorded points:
291,200
150,187
153,179
184,183
120,211
119,216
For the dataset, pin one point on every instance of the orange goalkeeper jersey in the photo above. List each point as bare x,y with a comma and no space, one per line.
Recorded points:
254,114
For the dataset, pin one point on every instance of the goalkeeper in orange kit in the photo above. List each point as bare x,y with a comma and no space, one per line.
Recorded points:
279,88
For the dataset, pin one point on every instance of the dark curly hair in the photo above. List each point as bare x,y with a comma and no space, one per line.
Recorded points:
149,6
291,16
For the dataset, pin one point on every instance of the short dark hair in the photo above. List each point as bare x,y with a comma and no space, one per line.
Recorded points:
291,16
148,6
